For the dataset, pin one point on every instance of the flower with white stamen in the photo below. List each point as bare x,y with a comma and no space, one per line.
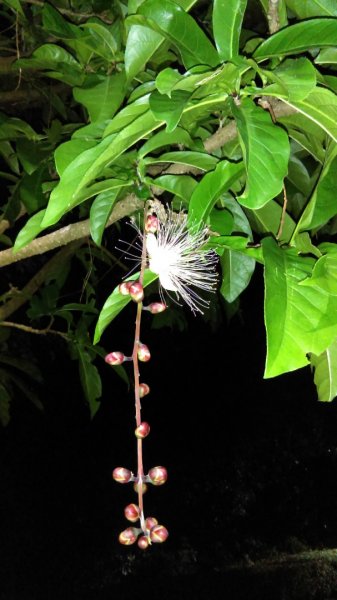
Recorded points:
176,255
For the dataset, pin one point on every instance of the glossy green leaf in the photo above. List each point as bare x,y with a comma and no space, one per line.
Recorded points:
168,109
90,380
100,39
327,56
268,218
68,151
325,377
227,23
56,24
294,77
236,243
56,62
299,319
209,189
176,25
182,186
322,204
100,212
116,302
88,165
163,138
16,5
324,274
30,230
199,160
127,115
30,189
237,270
315,33
266,150
141,43
304,9
104,98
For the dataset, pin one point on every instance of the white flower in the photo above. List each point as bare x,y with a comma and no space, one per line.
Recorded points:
176,255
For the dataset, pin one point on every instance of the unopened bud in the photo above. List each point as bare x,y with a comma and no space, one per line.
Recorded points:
156,307
143,353
128,536
121,475
137,485
157,475
137,291
150,522
158,534
142,430
143,390
143,542
132,512
151,224
124,288
115,358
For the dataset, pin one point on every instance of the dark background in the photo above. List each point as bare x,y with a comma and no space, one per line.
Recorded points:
251,462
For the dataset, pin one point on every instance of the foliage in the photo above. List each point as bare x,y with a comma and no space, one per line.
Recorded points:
196,103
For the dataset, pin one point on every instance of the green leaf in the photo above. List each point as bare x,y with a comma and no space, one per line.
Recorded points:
163,138
313,8
211,186
227,23
199,160
321,107
179,185
169,109
171,21
322,204
316,33
127,115
236,243
99,39
266,150
325,378
299,319
327,56
30,189
324,274
268,218
15,5
141,44
68,151
90,380
57,63
57,25
116,302
104,98
30,230
237,270
100,212
294,77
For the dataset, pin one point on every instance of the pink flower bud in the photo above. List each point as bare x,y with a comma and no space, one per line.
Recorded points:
136,486
143,390
142,430
132,512
158,475
115,358
124,288
156,307
143,542
121,475
150,522
137,291
143,353
158,534
128,536
151,224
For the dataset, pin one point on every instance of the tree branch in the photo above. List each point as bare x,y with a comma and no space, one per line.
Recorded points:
131,202
273,16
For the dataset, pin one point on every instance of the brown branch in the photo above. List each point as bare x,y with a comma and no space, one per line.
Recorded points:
67,234
131,202
33,285
273,16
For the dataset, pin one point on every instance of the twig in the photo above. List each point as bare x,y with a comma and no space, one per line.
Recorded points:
283,214
28,329
273,16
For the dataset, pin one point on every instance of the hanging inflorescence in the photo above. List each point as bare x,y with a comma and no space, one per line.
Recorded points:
178,258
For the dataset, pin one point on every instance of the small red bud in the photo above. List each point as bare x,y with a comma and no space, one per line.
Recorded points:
143,353
156,307
151,224
158,534
143,542
142,430
137,291
115,358
158,475
124,288
150,522
143,390
128,536
132,512
136,487
121,475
